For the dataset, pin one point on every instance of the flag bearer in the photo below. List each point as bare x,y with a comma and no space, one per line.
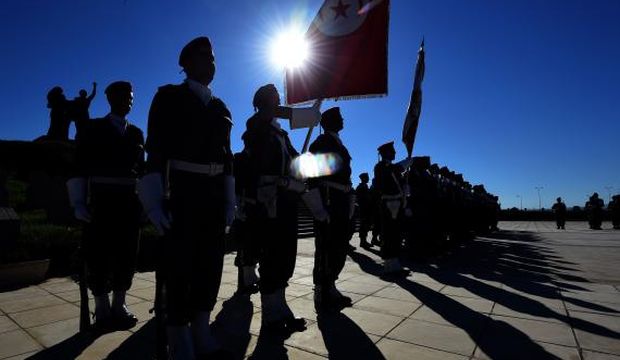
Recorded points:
277,196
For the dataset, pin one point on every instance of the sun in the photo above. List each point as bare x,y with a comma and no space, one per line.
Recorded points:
289,49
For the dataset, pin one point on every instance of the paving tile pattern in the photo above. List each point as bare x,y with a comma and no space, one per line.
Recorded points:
529,291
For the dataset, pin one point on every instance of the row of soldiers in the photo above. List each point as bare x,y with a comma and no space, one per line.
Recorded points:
192,187
439,206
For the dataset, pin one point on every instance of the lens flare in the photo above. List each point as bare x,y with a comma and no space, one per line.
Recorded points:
309,165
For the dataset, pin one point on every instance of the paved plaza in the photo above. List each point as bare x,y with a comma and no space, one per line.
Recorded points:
526,292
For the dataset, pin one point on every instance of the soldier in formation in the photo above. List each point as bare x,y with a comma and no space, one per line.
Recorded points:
594,209
338,200
392,194
277,194
189,195
365,207
110,158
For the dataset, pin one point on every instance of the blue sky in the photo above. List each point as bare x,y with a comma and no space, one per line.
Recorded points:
517,94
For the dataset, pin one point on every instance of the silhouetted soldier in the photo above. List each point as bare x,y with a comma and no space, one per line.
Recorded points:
79,107
277,195
190,166
110,158
594,207
559,209
332,240
423,227
364,202
59,115
614,209
389,184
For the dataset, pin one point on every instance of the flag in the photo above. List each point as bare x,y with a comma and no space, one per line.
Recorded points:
410,128
348,53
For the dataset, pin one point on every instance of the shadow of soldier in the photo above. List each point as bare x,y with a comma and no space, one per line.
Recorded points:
344,339
463,317
140,345
70,348
231,326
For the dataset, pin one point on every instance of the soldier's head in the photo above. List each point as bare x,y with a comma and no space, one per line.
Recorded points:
83,93
198,61
55,97
595,195
331,120
421,162
387,151
266,98
559,199
120,97
364,178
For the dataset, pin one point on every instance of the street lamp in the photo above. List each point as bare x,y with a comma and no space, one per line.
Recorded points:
521,200
538,188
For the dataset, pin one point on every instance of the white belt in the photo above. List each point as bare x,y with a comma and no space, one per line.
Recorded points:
210,169
336,186
106,180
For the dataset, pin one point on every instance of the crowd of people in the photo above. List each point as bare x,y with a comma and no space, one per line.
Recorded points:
594,208
194,190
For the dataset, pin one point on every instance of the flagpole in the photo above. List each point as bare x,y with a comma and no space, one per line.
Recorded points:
317,103
307,141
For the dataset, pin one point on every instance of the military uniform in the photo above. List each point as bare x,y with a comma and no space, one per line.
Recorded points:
364,202
332,238
110,158
389,183
189,142
594,207
271,154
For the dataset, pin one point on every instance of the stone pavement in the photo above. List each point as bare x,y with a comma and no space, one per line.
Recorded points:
526,292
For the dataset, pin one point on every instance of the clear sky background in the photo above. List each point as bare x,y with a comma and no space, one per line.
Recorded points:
517,94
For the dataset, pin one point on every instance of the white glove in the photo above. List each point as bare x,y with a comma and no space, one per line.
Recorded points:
151,194
76,188
352,199
306,117
230,199
313,201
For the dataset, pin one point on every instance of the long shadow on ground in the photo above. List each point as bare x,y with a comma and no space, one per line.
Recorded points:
517,260
463,317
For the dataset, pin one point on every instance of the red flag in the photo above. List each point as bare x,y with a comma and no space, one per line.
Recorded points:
348,53
410,128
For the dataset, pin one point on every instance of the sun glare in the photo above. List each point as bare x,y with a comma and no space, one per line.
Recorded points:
289,49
